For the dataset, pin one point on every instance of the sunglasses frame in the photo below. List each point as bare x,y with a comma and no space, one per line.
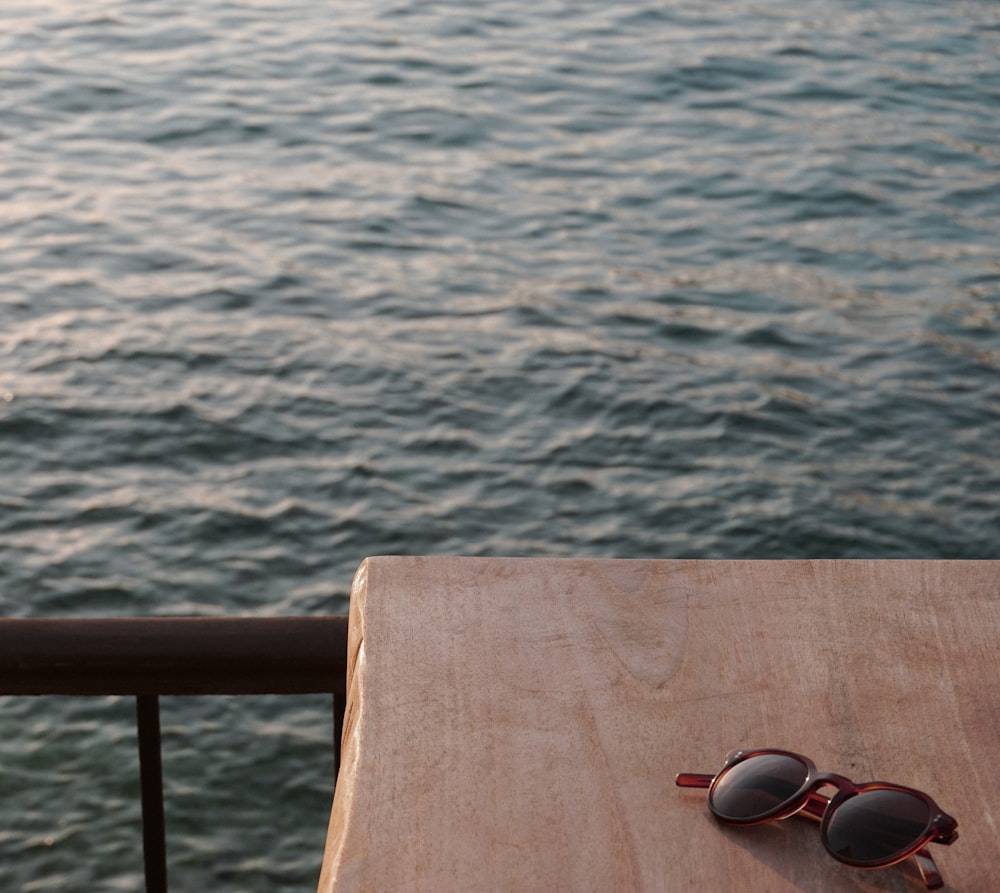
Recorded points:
807,800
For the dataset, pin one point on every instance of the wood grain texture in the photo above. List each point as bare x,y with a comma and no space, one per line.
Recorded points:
516,724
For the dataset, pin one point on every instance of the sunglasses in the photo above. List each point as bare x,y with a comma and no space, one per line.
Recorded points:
870,825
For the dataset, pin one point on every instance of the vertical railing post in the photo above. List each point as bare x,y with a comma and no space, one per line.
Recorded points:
154,833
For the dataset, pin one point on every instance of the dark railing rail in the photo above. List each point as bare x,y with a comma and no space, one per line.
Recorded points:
152,656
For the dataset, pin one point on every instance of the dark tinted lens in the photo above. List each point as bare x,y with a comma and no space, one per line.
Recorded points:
876,826
757,786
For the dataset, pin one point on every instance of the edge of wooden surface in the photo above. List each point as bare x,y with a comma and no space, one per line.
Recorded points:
967,630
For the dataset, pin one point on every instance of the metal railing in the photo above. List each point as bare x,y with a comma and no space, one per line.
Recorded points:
153,656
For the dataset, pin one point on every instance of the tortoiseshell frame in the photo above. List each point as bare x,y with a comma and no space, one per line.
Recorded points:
941,828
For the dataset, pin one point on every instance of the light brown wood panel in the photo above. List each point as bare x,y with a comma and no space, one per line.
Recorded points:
517,724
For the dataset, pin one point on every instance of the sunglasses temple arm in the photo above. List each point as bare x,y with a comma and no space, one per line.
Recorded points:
694,780
815,806
928,869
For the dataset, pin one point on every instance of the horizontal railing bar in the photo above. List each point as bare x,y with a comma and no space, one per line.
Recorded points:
173,655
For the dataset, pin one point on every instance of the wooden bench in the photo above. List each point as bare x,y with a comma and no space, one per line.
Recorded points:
517,724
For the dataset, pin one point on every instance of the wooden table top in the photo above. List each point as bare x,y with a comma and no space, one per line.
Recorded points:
517,724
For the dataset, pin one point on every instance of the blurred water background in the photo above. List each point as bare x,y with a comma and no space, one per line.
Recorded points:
286,284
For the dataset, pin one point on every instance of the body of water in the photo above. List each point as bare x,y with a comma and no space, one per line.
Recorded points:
283,285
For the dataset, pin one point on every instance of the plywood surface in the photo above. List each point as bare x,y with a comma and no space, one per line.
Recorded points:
516,724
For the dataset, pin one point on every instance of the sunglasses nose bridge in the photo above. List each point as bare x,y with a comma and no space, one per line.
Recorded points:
841,783
815,804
